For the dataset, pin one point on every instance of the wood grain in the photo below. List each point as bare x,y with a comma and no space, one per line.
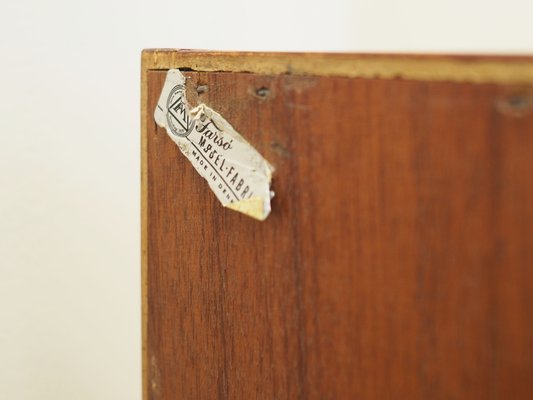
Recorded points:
397,261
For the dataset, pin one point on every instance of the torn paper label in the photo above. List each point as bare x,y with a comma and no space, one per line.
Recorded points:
236,172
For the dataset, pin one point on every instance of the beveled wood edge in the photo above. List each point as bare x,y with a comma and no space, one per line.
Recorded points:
451,68
144,227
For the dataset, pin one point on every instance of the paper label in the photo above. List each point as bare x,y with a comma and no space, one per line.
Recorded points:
236,172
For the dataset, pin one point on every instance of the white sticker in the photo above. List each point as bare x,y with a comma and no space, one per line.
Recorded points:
236,172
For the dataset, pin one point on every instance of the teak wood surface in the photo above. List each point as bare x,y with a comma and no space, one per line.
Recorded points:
397,262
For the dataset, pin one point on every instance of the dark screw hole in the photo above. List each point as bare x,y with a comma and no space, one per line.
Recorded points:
518,102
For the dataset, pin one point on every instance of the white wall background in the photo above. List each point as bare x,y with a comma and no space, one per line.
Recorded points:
69,154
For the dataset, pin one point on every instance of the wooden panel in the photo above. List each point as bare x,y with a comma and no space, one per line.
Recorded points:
396,263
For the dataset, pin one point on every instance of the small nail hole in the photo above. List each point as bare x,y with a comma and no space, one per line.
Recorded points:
516,105
262,92
518,102
201,89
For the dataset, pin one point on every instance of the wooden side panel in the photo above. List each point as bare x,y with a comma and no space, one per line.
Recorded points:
397,261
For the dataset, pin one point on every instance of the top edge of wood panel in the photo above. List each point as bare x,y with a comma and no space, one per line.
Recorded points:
510,69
